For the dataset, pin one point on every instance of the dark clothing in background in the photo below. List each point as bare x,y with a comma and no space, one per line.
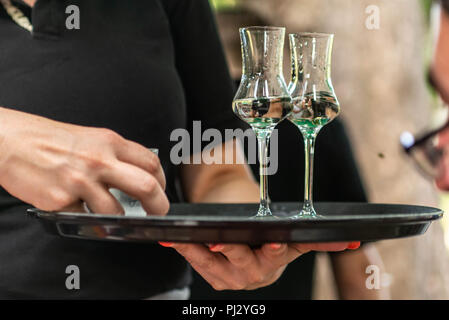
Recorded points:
139,67
445,4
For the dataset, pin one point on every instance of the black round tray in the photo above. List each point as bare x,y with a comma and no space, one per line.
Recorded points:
232,223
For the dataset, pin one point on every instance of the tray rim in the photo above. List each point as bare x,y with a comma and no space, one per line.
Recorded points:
191,221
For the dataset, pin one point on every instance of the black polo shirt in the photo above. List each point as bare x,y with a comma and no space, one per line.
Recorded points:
140,67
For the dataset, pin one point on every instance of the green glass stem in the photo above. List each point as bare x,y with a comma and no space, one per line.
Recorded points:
309,150
309,144
263,139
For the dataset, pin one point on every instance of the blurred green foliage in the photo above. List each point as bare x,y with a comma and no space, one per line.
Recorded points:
224,5
427,5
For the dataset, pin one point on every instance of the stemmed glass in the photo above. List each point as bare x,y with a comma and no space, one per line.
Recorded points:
262,99
313,98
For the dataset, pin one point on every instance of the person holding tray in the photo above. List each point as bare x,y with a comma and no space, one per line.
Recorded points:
81,104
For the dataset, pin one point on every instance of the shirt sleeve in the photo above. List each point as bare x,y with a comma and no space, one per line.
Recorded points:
201,65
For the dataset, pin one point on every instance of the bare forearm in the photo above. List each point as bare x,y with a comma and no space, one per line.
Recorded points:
232,188
220,182
349,271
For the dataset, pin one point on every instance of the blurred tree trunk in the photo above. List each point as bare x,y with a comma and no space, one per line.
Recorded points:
379,78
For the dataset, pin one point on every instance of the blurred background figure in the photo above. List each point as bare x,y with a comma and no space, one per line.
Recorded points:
381,52
439,76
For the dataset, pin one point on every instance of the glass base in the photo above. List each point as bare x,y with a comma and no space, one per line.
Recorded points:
307,212
264,212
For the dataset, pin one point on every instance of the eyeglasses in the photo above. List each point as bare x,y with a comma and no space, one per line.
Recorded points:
424,149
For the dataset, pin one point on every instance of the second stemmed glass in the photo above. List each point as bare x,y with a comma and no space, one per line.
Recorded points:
262,99
313,98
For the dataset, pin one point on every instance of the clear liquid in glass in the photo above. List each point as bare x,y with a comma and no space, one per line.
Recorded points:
262,113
